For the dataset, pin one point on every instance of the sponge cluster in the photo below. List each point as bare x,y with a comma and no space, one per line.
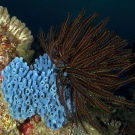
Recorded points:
31,90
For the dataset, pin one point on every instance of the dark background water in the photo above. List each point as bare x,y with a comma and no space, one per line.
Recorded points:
45,13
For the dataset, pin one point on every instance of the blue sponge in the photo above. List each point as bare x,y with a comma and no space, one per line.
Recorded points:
32,90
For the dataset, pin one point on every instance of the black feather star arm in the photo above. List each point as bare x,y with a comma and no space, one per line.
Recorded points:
93,59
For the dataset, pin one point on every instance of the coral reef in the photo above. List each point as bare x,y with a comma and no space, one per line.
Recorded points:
69,90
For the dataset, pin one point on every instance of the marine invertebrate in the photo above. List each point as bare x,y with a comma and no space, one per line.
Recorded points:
32,90
14,35
93,59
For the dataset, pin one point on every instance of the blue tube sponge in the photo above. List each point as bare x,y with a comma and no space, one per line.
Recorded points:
32,90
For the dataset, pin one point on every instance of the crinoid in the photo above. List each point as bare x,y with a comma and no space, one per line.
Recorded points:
93,59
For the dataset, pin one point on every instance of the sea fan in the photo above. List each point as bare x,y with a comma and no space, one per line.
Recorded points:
93,59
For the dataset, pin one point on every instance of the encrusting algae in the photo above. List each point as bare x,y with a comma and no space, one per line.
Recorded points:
7,123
